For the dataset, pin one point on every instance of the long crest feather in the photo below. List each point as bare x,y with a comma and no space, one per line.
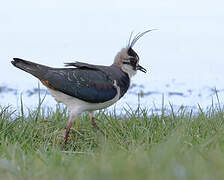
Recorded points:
132,42
129,41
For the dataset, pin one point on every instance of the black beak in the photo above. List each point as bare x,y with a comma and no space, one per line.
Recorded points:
141,68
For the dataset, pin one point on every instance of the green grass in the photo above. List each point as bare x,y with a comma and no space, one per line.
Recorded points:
140,145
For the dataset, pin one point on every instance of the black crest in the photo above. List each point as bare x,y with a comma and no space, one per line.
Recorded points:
132,42
132,53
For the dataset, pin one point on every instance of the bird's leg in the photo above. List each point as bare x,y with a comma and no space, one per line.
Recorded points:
93,119
67,132
71,119
94,123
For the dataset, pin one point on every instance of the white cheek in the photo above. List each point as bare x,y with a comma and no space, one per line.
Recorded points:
129,70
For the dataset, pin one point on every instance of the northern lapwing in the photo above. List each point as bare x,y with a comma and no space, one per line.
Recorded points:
87,87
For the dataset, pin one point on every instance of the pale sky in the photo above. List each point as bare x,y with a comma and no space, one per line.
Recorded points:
188,45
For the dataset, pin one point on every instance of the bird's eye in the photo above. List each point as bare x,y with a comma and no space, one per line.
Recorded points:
133,61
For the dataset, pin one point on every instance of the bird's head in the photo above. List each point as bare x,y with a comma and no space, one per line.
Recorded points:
127,59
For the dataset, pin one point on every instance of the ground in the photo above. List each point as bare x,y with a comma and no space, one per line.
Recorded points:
139,145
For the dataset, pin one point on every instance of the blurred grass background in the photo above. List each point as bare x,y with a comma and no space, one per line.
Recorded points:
176,144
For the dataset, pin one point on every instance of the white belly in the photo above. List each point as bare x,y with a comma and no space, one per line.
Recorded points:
78,105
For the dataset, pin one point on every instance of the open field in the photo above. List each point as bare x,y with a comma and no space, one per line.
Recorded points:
140,145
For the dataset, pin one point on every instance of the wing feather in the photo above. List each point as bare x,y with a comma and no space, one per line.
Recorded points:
90,85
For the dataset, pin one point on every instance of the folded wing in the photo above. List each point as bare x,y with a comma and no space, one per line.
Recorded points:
87,84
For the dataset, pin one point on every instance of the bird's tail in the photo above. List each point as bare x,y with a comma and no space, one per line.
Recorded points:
33,68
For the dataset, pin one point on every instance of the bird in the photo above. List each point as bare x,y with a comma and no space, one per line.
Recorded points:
85,87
